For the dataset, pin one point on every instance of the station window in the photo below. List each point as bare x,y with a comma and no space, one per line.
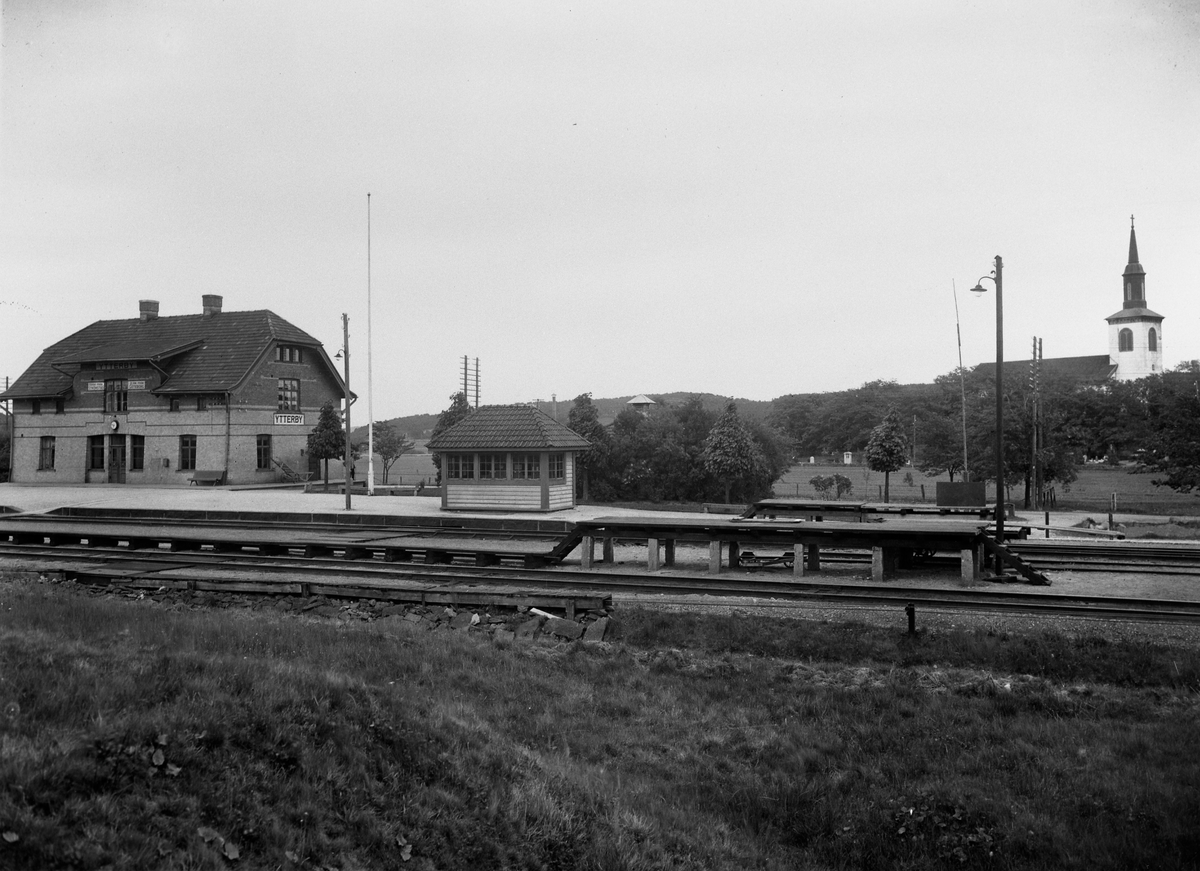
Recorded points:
460,466
137,453
493,466
262,447
528,466
60,406
557,464
176,403
46,454
210,400
96,452
116,395
289,394
35,406
187,452
289,354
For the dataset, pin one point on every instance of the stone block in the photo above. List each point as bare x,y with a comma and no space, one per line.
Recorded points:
529,628
568,629
462,620
595,630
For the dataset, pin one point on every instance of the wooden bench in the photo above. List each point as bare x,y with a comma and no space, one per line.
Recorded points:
209,478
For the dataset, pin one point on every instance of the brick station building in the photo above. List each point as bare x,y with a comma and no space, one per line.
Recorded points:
508,458
228,397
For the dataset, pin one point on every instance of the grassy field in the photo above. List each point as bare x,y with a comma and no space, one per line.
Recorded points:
1090,492
132,736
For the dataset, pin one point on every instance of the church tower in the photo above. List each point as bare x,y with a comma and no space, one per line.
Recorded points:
1135,332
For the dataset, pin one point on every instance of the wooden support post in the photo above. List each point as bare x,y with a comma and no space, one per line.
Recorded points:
669,558
798,559
714,557
589,551
607,551
652,555
814,557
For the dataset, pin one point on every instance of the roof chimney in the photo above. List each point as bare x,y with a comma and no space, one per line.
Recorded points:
212,304
148,309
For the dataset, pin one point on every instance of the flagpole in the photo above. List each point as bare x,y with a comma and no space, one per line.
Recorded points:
370,408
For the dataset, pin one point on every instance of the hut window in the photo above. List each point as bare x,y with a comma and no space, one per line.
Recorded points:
137,453
461,466
527,466
493,466
557,467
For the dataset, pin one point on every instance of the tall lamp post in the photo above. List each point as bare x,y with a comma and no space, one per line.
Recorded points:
997,277
346,378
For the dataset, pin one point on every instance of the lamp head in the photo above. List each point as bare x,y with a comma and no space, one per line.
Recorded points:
338,355
978,288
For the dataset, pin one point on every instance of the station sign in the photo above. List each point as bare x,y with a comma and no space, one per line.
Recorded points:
289,420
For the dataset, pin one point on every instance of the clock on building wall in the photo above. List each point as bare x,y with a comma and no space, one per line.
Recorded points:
114,424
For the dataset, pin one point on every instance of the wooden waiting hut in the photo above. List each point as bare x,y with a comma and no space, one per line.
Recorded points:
508,458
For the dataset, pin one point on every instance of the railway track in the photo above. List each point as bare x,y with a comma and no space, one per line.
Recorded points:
375,578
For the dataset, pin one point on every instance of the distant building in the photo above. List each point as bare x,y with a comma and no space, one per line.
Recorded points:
641,404
161,400
508,458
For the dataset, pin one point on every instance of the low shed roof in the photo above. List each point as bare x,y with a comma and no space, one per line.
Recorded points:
508,427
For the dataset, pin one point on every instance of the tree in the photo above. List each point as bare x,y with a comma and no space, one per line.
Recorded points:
730,454
886,449
328,438
459,408
390,445
1173,445
584,419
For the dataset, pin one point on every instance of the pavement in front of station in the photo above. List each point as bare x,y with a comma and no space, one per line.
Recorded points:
40,498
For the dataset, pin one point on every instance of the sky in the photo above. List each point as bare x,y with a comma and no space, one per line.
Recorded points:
743,198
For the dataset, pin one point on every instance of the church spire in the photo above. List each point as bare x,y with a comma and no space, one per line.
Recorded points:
1135,275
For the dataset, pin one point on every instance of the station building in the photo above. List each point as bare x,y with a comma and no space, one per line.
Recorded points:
221,397
508,458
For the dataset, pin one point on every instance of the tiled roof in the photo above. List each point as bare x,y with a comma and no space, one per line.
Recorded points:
199,354
1097,367
508,427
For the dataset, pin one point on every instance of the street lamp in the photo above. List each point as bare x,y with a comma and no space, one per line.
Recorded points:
997,277
346,378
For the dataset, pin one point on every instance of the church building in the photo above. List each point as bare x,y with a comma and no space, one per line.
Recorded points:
1134,337
1135,332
